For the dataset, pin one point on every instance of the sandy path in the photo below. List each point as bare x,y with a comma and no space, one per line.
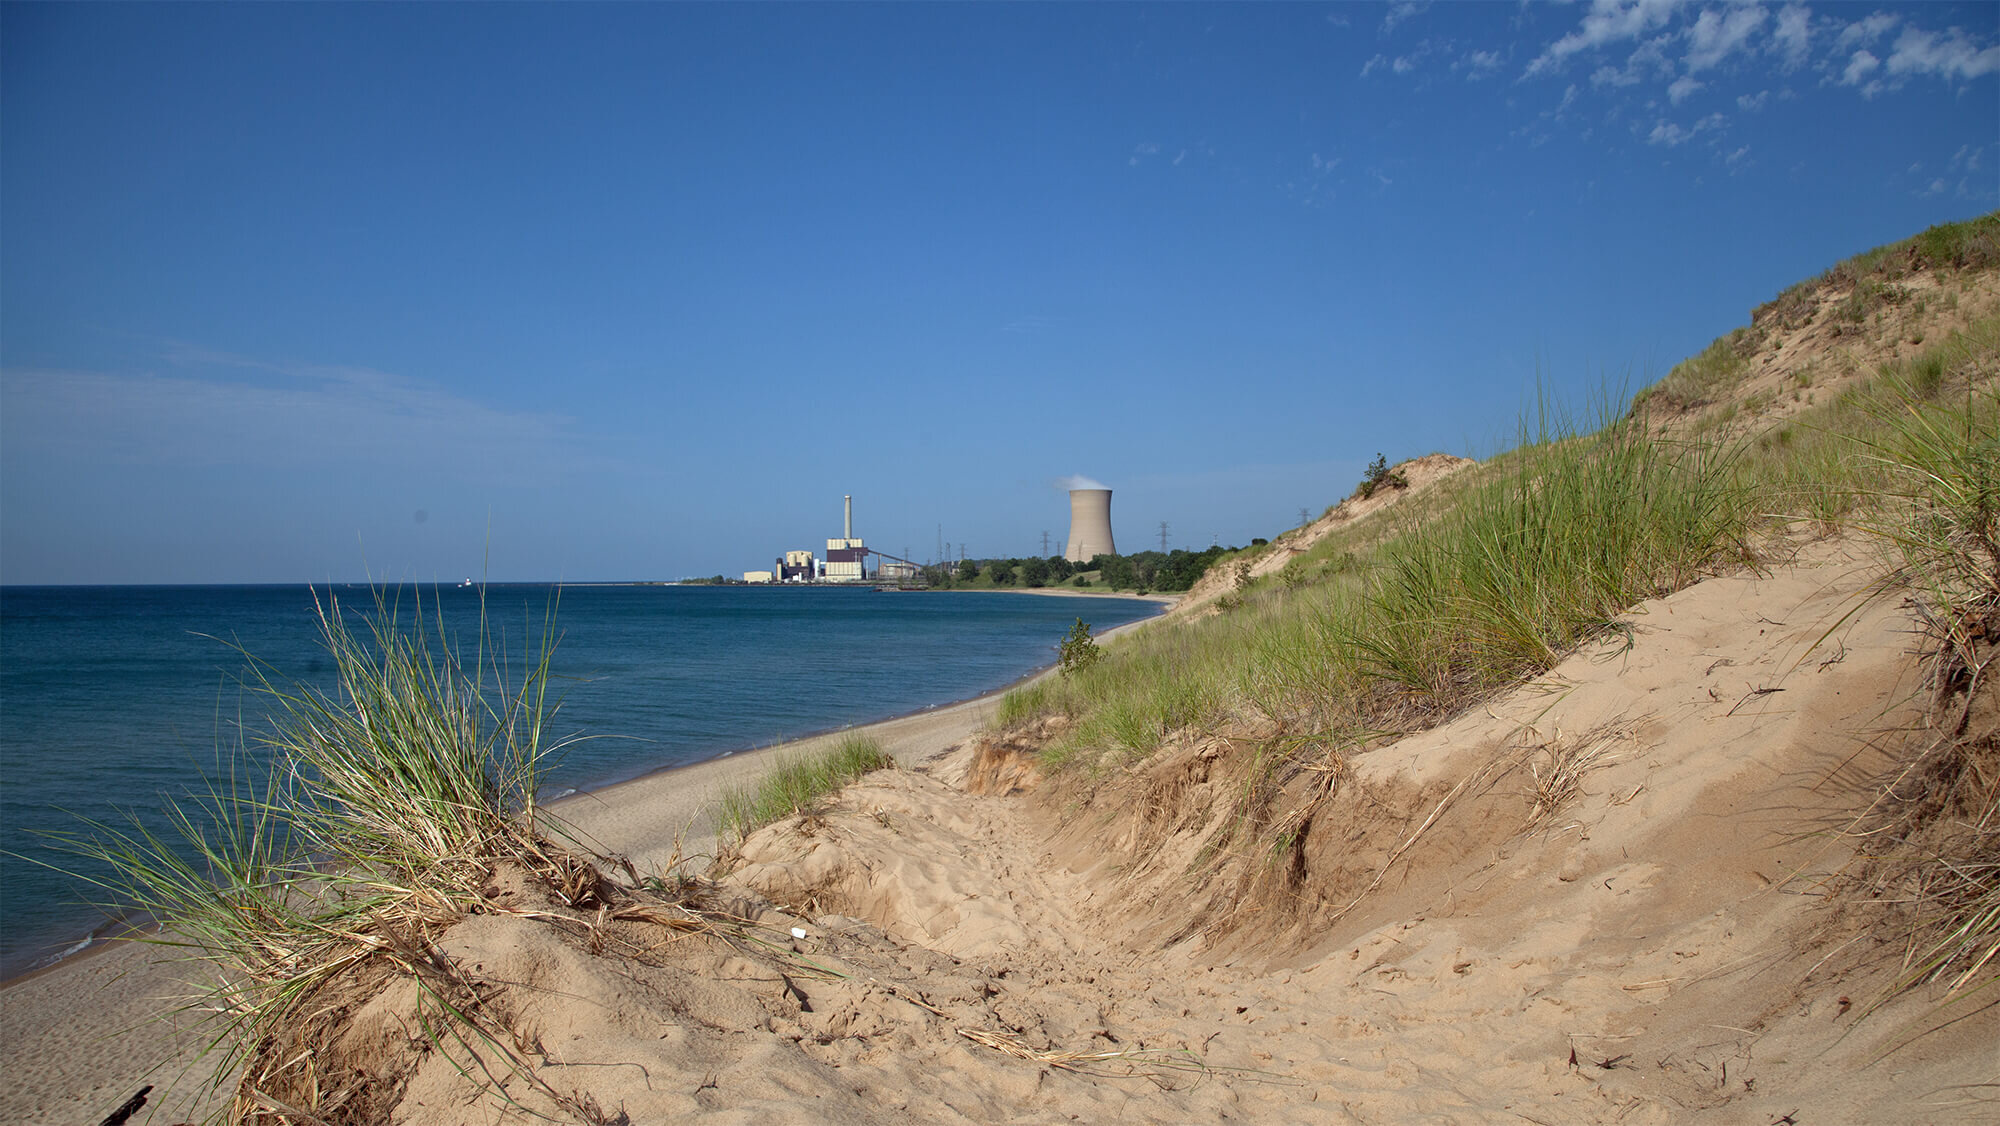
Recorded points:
1665,927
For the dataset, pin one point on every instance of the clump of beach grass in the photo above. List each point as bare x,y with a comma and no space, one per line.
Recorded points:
1942,518
797,784
387,804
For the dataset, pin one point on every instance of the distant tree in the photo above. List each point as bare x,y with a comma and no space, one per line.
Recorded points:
968,570
1002,572
1079,651
1035,572
1380,476
1060,568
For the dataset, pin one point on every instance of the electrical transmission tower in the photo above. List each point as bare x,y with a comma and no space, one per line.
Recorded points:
1045,545
1304,517
1163,537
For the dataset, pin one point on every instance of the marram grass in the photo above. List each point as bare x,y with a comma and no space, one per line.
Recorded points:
797,783
385,805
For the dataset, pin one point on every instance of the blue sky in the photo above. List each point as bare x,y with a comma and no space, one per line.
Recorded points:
578,292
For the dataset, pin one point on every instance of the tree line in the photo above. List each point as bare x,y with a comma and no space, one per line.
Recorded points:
1143,571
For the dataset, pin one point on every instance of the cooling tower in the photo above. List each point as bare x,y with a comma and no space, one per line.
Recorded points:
1089,525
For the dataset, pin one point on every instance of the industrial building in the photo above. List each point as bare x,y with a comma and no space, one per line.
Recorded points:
846,557
798,567
1089,525
846,562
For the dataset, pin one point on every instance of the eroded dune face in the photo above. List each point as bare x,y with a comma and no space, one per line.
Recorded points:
1450,938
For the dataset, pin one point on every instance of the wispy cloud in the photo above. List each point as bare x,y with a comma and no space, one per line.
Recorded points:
1717,35
1792,37
1402,11
1949,55
1479,64
1607,22
214,408
1645,54
1865,31
1673,135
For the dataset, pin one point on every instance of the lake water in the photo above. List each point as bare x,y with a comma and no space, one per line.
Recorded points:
111,697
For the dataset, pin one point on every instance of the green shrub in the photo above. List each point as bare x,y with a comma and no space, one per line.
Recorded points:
1380,476
1078,651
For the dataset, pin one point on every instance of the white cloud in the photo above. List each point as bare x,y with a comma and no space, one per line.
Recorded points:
1608,21
1859,67
1673,135
1480,64
1684,88
1714,37
1143,151
1793,35
1948,56
1401,11
1865,31
1734,158
1612,76
1373,65
1751,103
1938,187
1404,64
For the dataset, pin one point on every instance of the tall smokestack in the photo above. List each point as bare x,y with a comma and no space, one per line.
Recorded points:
1089,525
848,532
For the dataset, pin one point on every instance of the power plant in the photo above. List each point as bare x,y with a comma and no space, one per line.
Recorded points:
1089,525
846,561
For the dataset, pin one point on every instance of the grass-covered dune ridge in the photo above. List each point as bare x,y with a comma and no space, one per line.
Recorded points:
1395,623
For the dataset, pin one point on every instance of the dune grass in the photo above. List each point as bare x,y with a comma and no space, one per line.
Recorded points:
1941,515
796,785
385,806
1537,552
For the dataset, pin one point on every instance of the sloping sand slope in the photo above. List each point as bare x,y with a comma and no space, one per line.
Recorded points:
1654,951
